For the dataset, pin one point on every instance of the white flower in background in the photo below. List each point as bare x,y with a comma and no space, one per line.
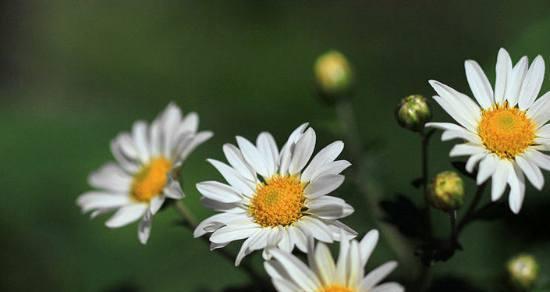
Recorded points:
276,197
506,130
146,169
290,274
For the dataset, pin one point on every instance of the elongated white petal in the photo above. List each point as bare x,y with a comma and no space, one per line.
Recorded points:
126,215
499,180
268,149
252,156
297,270
513,87
302,152
460,107
237,161
389,287
531,170
367,245
481,88
473,160
101,200
466,149
378,274
144,228
156,203
233,177
139,135
540,159
532,83
234,232
323,185
330,208
487,167
325,156
323,264
503,75
517,190
315,228
217,191
540,110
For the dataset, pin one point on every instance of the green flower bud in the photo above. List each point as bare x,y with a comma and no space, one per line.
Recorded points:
333,75
523,271
413,112
447,191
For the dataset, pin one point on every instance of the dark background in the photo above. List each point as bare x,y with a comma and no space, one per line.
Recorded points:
75,73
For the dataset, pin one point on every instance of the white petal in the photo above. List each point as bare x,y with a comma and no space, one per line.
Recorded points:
220,192
473,160
236,160
503,75
487,168
213,223
517,190
156,203
333,168
367,245
378,274
499,180
297,270
173,189
325,156
323,185
544,131
355,269
102,200
268,149
155,138
197,139
190,123
323,264
111,177
315,228
330,208
144,228
126,215
532,172
233,177
540,159
466,149
389,287
481,88
459,106
234,232
302,152
139,135
532,83
342,263
253,156
513,87
540,110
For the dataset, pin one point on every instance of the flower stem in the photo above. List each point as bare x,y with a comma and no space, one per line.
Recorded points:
470,213
371,192
425,142
191,222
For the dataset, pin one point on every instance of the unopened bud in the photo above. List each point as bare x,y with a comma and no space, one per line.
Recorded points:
523,271
447,191
333,75
413,112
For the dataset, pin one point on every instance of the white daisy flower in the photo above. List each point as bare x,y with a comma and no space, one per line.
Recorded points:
506,130
276,197
145,171
290,274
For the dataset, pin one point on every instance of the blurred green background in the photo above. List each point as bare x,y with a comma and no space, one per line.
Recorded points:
75,73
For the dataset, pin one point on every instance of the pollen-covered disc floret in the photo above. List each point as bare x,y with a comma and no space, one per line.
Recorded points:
276,197
147,162
278,202
151,179
506,131
347,274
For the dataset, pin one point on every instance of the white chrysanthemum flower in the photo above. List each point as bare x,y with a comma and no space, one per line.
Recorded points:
145,171
507,131
289,274
276,197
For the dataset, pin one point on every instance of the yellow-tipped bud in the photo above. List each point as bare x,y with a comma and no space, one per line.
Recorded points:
447,191
333,75
413,112
523,271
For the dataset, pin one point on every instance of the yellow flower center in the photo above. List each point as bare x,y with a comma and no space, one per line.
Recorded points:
506,131
336,288
151,179
278,202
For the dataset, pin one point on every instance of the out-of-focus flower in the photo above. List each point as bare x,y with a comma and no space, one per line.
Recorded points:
145,171
333,74
447,191
413,112
505,131
290,274
275,197
523,271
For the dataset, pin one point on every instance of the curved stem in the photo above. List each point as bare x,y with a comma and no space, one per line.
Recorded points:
399,245
470,213
191,223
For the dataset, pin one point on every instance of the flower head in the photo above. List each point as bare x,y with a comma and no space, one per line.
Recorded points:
290,274
413,112
333,74
506,131
523,271
447,191
144,173
276,197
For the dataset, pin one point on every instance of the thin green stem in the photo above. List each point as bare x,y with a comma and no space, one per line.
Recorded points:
425,142
453,238
191,222
400,245
470,213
